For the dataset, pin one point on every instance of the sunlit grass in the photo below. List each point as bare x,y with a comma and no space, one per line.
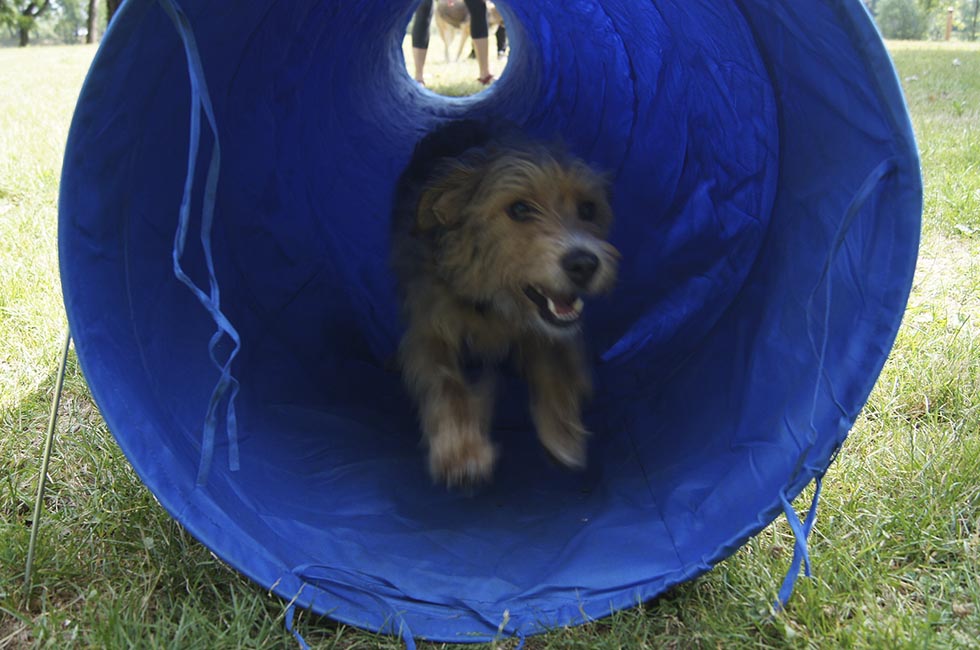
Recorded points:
38,87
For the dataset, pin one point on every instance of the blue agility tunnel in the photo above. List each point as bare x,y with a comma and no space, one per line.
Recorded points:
224,241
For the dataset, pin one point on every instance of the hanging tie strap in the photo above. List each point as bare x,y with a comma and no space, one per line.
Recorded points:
227,386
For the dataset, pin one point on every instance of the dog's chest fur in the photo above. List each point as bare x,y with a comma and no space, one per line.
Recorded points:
477,330
486,335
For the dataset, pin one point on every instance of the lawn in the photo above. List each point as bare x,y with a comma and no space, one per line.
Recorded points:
896,552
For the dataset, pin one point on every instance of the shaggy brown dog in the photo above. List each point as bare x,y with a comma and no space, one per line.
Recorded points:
495,241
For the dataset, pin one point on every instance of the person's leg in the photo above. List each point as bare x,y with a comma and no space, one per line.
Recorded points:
482,47
501,40
420,37
418,54
479,32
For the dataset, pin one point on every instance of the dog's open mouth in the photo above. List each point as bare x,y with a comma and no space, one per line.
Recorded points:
560,311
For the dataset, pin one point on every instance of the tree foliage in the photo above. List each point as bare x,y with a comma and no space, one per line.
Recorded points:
66,21
70,20
970,16
902,19
22,15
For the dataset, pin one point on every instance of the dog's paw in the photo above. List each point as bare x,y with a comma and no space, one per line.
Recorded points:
565,441
461,461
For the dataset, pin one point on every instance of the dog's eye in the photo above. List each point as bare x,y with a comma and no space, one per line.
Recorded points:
520,211
586,211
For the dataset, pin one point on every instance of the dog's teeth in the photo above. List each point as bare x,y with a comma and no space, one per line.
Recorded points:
566,315
554,310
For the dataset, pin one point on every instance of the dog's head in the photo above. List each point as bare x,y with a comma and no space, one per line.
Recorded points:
523,229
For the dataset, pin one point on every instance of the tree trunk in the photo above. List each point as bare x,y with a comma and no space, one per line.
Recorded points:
111,6
973,25
92,22
28,16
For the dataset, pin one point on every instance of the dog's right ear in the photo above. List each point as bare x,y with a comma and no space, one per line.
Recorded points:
443,201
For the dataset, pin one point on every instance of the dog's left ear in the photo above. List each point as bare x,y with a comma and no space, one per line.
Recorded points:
442,202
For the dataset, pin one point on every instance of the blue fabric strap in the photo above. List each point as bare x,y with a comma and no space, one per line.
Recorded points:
801,530
227,385
406,635
290,611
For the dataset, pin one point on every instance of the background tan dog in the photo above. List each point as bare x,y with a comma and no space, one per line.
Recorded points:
452,20
495,241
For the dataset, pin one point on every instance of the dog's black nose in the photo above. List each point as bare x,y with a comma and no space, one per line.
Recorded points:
580,265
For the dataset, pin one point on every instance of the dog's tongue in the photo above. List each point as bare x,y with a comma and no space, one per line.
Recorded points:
562,308
567,310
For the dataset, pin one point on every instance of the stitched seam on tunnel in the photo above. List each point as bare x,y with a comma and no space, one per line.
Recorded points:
572,609
635,108
872,181
653,498
859,38
233,78
371,590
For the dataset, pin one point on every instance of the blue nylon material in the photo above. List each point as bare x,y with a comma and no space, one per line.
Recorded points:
767,192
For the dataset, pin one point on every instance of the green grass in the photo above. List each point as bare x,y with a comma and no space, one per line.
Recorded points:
38,88
896,551
942,86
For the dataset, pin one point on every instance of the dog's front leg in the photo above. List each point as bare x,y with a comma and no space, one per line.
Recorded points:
559,382
455,416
